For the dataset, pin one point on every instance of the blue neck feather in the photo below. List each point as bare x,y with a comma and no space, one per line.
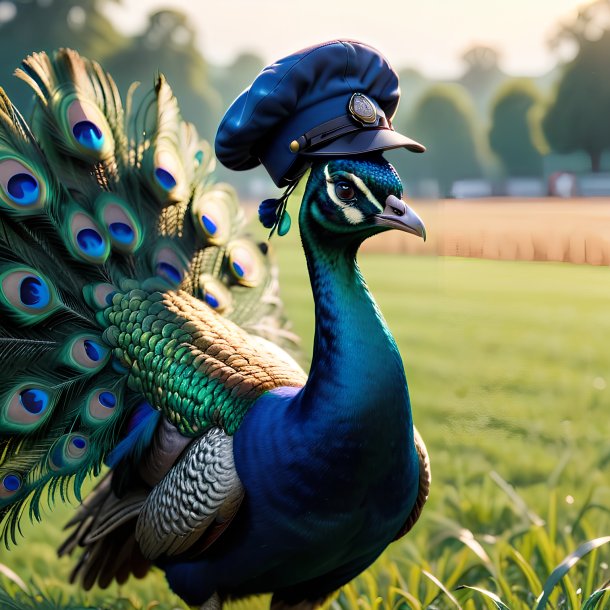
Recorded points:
356,367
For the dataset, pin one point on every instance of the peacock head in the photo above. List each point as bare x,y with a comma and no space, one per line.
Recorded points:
329,108
356,197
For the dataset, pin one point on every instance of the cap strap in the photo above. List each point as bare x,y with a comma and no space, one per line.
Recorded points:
335,128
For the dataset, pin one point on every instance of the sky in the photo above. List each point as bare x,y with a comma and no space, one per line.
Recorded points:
429,35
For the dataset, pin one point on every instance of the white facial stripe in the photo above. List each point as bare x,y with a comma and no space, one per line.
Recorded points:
365,191
351,214
330,188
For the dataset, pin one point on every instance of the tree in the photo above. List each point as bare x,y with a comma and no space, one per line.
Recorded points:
577,118
591,21
45,25
168,46
513,132
443,120
482,75
413,85
231,80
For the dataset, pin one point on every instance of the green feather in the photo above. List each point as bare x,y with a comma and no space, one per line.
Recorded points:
216,214
94,207
118,218
79,116
166,169
68,453
284,224
84,352
85,238
25,407
27,295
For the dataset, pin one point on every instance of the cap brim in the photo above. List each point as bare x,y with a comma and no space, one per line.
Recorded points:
365,140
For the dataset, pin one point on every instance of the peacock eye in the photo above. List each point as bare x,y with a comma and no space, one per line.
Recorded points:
345,191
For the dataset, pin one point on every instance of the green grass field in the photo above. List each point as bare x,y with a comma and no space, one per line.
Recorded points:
509,372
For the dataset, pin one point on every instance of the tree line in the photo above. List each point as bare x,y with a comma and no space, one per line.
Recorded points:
486,124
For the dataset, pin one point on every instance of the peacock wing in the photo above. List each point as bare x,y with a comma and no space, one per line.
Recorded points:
198,368
183,491
201,491
425,478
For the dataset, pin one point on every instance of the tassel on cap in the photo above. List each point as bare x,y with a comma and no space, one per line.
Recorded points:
267,212
273,214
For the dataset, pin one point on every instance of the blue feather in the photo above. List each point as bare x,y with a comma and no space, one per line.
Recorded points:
140,430
267,212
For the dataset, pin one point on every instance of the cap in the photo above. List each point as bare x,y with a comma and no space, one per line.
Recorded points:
332,99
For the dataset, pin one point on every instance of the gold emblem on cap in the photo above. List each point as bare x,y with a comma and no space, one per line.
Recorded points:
294,146
362,108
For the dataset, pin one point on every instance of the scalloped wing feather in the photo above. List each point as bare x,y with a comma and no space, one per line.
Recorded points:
201,490
212,370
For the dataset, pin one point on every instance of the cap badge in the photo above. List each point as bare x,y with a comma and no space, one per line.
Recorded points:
362,109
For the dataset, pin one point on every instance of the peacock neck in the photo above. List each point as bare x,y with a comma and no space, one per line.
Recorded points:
356,367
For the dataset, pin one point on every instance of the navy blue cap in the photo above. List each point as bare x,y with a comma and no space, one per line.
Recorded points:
332,99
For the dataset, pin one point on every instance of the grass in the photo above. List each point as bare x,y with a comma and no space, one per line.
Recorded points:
509,372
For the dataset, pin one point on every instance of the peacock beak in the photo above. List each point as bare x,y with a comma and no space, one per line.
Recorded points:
398,215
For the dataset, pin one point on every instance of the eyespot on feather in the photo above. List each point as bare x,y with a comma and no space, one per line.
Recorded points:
213,214
167,171
165,179
26,407
123,228
246,263
87,240
214,293
170,265
68,453
29,296
99,296
22,190
89,130
86,353
100,406
11,483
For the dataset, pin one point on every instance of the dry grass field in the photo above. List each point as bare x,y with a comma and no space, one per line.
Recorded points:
574,230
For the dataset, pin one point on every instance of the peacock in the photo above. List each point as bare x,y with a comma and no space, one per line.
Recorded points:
142,337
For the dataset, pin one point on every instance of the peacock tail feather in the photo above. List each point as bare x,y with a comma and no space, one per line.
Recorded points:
116,250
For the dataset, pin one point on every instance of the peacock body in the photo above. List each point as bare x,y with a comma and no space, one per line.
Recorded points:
141,328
